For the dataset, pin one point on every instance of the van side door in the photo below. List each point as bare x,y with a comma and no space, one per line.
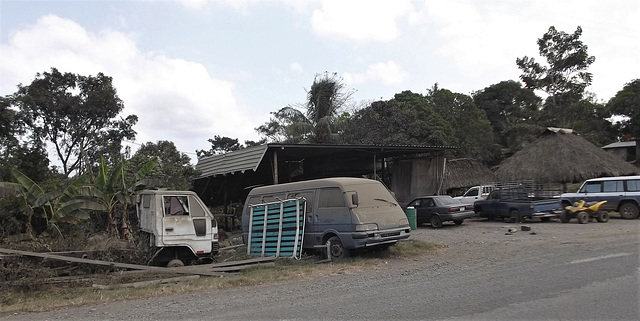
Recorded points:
332,212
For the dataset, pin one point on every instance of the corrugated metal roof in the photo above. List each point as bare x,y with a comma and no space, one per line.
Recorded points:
236,161
630,143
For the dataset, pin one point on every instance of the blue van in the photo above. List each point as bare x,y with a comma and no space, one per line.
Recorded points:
622,194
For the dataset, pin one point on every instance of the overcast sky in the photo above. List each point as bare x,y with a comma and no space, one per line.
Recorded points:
193,69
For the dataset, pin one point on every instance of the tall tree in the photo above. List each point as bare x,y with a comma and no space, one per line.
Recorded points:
513,113
406,119
76,114
563,79
220,145
626,103
320,123
174,169
473,135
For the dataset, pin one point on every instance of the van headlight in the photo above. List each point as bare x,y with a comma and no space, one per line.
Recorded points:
366,227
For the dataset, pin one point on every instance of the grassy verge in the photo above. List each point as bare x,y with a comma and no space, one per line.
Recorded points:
31,297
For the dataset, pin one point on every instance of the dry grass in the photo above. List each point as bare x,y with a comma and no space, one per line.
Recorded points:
27,299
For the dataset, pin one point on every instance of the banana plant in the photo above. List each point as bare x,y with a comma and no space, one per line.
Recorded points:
59,206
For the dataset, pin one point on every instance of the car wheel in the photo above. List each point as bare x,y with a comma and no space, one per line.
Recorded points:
436,222
603,217
565,216
458,222
515,216
583,218
336,249
629,211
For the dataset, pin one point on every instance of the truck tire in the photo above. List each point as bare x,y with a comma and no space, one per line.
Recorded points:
629,211
175,263
583,217
515,216
336,249
603,217
565,216
436,222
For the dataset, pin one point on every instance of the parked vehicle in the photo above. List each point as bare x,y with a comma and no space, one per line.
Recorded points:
584,212
516,205
475,193
622,194
350,213
178,225
440,208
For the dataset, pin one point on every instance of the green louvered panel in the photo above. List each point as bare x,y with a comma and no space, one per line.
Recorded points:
276,229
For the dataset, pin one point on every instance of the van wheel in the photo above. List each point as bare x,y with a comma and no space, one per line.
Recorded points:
336,249
629,211
175,263
436,222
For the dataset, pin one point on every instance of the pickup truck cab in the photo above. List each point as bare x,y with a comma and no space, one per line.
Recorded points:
622,194
516,205
475,193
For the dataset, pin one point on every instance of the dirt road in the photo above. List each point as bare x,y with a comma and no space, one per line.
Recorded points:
555,271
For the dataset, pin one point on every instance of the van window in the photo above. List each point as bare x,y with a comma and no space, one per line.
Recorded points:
307,195
591,187
633,185
612,186
331,197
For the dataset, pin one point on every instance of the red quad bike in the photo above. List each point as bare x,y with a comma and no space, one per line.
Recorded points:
584,212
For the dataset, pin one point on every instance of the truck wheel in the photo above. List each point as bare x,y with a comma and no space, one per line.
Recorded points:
515,216
336,249
458,222
629,211
565,216
583,218
545,219
175,263
436,222
603,217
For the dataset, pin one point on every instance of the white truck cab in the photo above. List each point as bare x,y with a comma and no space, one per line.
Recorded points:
179,226
476,193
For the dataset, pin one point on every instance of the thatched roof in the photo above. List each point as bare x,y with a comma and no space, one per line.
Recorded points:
562,156
465,172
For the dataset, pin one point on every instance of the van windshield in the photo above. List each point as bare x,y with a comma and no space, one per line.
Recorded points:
377,205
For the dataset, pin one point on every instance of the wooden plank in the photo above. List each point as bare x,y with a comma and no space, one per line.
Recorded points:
105,263
243,262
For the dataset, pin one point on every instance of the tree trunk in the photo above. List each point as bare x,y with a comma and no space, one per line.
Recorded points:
126,226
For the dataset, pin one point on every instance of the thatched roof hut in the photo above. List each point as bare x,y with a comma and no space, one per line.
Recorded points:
562,156
465,172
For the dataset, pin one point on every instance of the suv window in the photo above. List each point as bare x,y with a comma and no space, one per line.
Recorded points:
633,185
591,187
612,186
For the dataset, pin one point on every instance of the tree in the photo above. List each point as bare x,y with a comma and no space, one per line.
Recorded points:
626,103
473,135
513,113
220,145
320,123
174,169
565,77
407,120
77,114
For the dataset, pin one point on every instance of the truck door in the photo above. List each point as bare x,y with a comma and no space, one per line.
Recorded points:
185,222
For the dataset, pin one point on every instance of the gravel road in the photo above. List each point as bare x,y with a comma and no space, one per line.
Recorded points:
555,271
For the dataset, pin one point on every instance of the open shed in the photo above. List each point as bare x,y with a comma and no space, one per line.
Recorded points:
228,178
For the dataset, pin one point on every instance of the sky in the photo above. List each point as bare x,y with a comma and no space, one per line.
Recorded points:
193,69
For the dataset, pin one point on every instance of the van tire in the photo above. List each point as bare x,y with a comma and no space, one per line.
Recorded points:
336,250
629,211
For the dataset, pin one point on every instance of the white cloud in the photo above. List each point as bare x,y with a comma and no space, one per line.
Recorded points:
360,20
296,67
174,99
388,73
240,5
